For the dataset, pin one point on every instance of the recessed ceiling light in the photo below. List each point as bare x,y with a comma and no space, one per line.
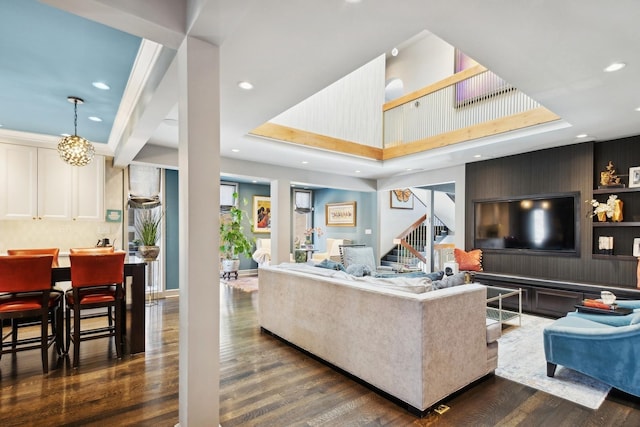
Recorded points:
582,135
408,169
245,85
615,67
254,181
353,1
0,125
65,134
477,156
304,162
101,85
95,119
394,51
235,150
357,171
638,109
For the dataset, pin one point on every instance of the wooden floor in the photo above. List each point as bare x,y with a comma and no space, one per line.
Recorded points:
264,382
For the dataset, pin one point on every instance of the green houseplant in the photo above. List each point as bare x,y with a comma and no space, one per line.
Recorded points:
233,241
147,228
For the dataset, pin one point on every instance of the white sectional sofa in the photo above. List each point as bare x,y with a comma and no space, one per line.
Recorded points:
417,347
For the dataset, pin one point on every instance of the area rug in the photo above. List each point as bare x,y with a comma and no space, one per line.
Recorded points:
244,283
521,359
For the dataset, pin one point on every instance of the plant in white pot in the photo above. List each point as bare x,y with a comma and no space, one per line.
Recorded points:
233,241
147,227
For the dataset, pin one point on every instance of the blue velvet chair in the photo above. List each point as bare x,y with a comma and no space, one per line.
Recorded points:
609,353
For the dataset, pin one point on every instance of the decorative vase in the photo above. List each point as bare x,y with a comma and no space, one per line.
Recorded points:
617,211
148,253
602,216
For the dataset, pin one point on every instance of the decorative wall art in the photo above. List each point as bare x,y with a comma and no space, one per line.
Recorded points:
340,214
401,198
634,177
261,214
636,247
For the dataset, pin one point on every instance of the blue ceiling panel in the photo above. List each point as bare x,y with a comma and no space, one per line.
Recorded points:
48,55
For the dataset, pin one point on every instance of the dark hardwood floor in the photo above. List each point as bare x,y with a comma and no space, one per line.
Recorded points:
264,382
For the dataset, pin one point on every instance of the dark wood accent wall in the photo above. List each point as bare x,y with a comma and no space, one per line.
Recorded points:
556,170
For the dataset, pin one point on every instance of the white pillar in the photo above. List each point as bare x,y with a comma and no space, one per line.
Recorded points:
280,221
199,175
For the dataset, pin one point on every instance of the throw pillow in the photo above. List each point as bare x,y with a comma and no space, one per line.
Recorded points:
468,261
358,255
358,270
437,275
330,264
635,319
448,281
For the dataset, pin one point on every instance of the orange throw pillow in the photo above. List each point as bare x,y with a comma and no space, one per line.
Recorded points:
468,261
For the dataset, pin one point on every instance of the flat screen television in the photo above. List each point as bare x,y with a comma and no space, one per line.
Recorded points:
543,224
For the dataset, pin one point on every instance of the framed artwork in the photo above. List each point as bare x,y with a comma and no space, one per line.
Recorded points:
401,198
634,177
340,214
636,247
476,88
261,214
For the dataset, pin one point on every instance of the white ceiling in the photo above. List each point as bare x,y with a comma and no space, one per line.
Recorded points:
290,49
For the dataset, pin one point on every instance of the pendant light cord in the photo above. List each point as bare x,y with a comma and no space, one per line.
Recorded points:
75,117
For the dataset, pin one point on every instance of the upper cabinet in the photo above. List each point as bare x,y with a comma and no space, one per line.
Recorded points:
36,184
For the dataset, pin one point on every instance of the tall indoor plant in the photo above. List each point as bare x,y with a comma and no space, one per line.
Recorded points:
233,241
147,228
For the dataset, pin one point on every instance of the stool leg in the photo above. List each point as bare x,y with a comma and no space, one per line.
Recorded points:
118,331
44,340
76,335
67,329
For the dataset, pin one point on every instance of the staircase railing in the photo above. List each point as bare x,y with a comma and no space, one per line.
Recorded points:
411,239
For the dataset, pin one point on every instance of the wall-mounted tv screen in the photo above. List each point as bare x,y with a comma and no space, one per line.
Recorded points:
542,223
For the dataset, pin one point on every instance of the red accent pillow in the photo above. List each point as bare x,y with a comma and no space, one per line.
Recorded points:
468,261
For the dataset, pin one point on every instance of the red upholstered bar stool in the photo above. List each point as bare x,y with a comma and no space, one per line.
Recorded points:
17,323
25,292
96,281
96,250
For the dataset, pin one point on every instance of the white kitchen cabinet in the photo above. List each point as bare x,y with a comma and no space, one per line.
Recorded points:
36,184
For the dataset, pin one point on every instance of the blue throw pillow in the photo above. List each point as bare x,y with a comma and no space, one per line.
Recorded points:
635,319
330,264
358,270
436,275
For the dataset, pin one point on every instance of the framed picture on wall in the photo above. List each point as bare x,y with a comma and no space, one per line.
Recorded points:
340,214
401,198
261,214
634,177
636,247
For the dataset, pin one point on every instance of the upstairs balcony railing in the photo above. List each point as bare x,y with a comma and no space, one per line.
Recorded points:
471,104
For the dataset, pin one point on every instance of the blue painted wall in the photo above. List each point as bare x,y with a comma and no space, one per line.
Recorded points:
172,251
366,217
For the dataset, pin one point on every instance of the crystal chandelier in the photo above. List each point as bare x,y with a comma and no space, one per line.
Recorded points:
74,149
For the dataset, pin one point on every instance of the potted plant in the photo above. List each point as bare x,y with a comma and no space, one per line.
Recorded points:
233,241
147,228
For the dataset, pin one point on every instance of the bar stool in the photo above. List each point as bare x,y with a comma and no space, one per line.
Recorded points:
25,292
20,323
96,281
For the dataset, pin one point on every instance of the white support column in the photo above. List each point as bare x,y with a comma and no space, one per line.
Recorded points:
199,163
280,221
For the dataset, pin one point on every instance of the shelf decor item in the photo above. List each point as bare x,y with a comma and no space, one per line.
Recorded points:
634,177
605,210
609,179
617,211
